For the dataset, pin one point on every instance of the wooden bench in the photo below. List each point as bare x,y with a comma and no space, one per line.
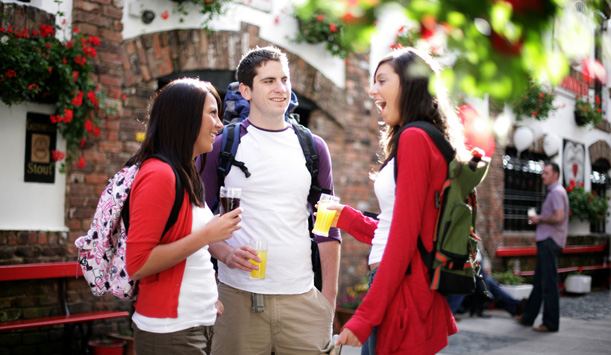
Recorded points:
60,271
505,251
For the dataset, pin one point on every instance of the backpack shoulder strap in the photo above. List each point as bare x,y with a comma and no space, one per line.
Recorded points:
308,146
178,200
438,138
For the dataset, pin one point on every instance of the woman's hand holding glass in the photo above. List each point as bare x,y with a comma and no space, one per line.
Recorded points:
221,227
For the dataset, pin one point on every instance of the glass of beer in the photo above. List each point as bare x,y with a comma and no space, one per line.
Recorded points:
230,198
532,212
324,217
261,247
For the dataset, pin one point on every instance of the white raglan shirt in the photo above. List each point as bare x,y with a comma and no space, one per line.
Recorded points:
274,200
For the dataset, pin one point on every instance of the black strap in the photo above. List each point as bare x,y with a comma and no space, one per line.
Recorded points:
178,199
448,153
306,141
438,138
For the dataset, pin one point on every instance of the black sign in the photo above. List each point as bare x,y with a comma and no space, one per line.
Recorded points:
40,140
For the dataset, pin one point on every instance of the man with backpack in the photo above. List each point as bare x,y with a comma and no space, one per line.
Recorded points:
283,313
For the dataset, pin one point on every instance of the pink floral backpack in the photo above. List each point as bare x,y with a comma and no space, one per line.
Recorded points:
102,250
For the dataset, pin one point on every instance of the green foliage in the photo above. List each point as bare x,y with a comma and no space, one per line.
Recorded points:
508,278
537,102
36,66
322,28
354,295
208,8
587,112
500,44
586,205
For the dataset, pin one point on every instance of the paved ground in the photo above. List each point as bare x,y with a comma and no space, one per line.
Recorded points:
585,328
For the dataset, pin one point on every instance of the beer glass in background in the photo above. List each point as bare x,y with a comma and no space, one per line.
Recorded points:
230,198
324,217
261,247
532,212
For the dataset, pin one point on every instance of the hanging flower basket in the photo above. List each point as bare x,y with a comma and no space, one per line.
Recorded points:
587,112
210,9
320,28
36,66
537,102
585,205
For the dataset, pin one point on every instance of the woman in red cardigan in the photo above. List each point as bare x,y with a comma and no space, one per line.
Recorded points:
177,300
400,312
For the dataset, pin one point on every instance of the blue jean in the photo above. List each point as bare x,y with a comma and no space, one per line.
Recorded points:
545,286
500,297
369,347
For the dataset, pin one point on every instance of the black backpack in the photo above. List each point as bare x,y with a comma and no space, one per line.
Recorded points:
452,263
236,109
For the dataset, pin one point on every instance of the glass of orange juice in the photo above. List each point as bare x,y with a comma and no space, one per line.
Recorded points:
324,217
261,247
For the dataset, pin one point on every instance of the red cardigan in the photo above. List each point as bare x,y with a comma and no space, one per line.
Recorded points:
151,201
410,317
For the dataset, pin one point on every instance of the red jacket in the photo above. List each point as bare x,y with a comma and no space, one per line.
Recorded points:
410,317
151,201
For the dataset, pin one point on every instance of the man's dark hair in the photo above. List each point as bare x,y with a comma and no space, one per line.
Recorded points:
555,167
256,57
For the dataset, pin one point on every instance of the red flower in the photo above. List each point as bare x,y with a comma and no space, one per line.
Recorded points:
64,60
90,51
541,94
75,75
78,99
34,87
67,115
572,183
320,17
80,163
599,111
69,44
93,98
11,73
46,31
88,126
54,118
569,188
96,131
80,59
597,99
94,40
50,70
332,27
81,142
535,113
165,15
75,30
57,155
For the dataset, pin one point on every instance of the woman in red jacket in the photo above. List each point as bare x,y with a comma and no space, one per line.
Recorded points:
177,300
400,312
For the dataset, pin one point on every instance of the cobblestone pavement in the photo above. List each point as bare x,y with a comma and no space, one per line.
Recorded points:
502,335
593,306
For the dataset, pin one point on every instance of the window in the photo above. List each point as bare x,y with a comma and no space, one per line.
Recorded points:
523,189
600,183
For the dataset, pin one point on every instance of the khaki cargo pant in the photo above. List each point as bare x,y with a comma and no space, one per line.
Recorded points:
289,324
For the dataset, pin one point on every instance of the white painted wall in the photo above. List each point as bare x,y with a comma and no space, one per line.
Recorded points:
262,13
27,205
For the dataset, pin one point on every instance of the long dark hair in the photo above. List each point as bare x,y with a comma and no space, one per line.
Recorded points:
416,69
174,122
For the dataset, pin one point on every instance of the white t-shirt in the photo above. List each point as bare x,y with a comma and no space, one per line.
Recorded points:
274,200
384,188
198,291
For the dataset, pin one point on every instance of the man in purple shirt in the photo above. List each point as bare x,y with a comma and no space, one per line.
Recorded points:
552,225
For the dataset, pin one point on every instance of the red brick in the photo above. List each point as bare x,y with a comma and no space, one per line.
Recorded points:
111,35
86,6
111,147
110,81
112,12
96,179
110,58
